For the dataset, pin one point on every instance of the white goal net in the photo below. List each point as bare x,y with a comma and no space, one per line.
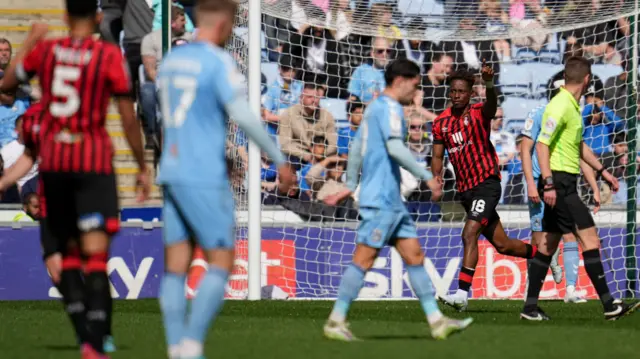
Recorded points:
321,64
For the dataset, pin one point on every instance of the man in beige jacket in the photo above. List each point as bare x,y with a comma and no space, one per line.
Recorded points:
300,123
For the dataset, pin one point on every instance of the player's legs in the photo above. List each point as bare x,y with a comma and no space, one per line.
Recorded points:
202,210
571,263
96,203
537,272
409,249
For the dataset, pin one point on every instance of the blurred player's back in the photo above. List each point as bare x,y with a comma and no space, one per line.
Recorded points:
195,122
381,179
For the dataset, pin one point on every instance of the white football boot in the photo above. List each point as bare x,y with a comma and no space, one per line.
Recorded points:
444,327
571,296
458,301
338,331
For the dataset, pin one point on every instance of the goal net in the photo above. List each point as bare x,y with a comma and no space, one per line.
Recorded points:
341,46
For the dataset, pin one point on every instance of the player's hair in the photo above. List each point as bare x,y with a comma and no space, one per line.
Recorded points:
82,8
463,75
401,68
320,140
176,11
228,6
576,68
353,105
26,199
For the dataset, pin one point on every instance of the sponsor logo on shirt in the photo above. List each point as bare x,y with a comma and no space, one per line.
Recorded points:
551,124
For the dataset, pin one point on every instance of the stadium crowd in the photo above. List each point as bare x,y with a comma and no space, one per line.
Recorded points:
331,71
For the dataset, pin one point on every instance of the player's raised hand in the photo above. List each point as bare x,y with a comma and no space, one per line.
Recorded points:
143,182
38,31
486,72
287,178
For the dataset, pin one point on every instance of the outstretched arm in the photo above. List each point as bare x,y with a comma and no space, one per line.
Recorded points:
17,170
490,106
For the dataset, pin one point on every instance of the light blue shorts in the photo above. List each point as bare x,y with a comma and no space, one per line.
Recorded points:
379,227
204,214
536,212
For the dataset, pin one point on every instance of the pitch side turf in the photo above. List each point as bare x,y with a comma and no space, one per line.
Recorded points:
293,329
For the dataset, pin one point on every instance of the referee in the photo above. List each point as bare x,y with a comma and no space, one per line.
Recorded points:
560,148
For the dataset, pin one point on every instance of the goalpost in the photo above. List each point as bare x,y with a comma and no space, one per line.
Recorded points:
300,248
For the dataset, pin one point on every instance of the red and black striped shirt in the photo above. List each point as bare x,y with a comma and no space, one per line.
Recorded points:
467,140
77,77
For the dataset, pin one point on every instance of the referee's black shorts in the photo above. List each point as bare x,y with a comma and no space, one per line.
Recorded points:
79,203
569,213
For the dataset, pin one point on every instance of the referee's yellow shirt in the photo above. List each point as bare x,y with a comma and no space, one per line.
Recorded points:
562,131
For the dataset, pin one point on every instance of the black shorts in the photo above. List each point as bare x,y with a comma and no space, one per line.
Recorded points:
569,212
80,202
481,201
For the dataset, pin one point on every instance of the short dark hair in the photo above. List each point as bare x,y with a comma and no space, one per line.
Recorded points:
353,105
6,42
229,6
176,11
82,8
463,75
26,199
401,68
320,140
576,68
310,85
286,61
620,138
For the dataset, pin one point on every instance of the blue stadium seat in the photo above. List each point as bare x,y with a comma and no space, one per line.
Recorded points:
519,108
606,71
515,80
270,70
424,7
541,74
337,108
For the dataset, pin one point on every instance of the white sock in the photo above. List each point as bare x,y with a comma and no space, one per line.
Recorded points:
190,348
336,317
434,317
174,352
462,294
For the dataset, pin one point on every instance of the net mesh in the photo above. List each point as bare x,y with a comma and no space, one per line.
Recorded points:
341,47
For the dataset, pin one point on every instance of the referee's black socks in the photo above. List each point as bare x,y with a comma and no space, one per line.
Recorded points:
98,299
538,268
593,266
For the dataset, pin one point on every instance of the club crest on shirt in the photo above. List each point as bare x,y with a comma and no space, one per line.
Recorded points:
528,125
445,129
376,236
466,120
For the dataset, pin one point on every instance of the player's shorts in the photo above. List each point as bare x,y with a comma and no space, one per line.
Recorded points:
480,202
379,227
536,212
569,212
80,202
205,214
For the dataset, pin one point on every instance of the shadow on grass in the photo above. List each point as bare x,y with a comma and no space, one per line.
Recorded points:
383,337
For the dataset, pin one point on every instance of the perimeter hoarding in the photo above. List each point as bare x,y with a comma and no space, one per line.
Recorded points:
303,262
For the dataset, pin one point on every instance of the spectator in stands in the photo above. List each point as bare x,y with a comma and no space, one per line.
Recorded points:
367,81
616,94
616,161
11,152
528,15
381,15
497,22
268,174
135,18
418,140
503,141
479,90
30,209
283,93
151,51
10,109
324,178
601,41
5,54
157,16
321,58
339,19
600,124
514,191
434,83
355,109
596,87
300,123
317,148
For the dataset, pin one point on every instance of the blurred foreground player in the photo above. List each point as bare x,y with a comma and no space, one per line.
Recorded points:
464,130
200,89
560,148
380,149
78,76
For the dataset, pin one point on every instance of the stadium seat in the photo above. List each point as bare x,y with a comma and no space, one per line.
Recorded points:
424,7
243,33
270,70
515,80
519,108
541,74
337,108
606,71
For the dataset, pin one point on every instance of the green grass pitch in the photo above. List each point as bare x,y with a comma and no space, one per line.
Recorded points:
293,329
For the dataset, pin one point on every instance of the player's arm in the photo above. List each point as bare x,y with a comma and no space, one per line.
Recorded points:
590,177
402,156
18,170
24,64
587,155
550,129
490,105
526,148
